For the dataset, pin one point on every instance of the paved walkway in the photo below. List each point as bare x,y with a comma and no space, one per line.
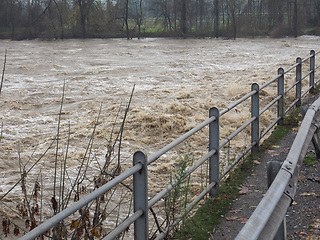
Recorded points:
303,217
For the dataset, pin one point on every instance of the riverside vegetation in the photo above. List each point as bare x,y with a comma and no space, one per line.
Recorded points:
21,19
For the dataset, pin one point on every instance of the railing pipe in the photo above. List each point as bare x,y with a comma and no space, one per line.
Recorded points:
176,142
306,75
270,104
291,105
290,68
123,226
269,127
291,87
269,82
236,103
307,58
306,91
214,145
236,132
236,161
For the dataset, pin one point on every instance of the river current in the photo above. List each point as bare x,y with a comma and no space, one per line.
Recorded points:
175,83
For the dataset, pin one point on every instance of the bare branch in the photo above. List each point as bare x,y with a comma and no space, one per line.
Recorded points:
4,67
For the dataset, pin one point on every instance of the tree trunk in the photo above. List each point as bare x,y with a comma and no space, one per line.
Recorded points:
183,20
295,19
234,25
216,18
126,19
12,10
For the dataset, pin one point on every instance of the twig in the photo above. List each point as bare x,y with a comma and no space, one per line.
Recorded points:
4,67
80,177
1,132
23,186
91,142
122,128
57,147
26,173
65,170
156,220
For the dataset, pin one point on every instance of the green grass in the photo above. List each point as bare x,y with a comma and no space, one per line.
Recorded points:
210,214
310,160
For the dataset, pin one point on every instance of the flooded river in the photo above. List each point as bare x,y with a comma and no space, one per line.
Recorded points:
176,82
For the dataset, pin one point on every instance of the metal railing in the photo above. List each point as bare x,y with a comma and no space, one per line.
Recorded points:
268,216
139,171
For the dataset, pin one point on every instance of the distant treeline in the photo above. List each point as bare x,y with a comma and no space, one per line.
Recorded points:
54,19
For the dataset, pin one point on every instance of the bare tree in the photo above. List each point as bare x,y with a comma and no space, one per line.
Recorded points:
164,9
139,16
216,18
183,18
84,8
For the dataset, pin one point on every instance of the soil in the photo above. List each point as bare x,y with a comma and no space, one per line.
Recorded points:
303,216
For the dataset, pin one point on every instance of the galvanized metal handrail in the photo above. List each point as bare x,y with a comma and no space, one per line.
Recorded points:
270,82
123,226
266,219
236,132
274,101
236,103
141,161
179,140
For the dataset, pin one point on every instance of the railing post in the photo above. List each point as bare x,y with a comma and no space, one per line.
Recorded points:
140,195
214,144
298,80
281,92
255,137
312,66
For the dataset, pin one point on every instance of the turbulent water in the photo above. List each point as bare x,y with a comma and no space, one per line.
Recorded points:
176,82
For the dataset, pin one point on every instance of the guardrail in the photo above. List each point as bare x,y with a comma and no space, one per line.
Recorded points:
270,213
141,161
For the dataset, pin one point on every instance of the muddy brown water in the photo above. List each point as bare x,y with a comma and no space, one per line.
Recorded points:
176,82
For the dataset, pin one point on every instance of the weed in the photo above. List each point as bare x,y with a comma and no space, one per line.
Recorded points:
178,198
310,159
316,89
39,203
